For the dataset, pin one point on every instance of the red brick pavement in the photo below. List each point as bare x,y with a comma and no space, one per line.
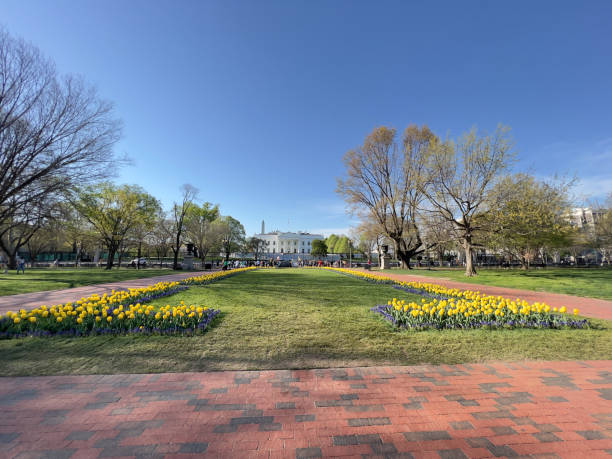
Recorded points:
544,409
49,297
589,307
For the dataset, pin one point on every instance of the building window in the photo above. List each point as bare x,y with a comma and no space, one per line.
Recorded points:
294,250
302,250
282,250
308,242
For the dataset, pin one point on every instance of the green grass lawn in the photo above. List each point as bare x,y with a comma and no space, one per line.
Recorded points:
591,282
39,279
294,318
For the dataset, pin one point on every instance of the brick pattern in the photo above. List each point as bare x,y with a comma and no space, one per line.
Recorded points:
532,409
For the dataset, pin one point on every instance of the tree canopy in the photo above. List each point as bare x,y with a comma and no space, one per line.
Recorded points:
114,211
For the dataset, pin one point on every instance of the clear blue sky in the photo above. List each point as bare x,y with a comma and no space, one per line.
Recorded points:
256,102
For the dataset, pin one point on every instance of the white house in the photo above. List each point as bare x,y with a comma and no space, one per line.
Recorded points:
288,245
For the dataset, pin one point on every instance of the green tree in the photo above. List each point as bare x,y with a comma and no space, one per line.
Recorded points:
343,245
330,242
114,211
255,246
530,217
602,231
319,248
231,233
199,228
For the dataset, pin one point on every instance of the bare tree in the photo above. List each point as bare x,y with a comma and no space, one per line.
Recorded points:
161,237
386,182
440,234
462,175
22,223
179,212
54,131
371,238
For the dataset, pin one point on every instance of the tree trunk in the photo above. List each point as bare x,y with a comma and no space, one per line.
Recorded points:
78,255
139,252
121,251
404,258
12,260
470,270
112,249
176,252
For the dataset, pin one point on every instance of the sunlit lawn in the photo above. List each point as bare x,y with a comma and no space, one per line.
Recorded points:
39,279
294,318
590,282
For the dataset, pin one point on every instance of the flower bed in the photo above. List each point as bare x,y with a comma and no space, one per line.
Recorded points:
444,308
120,312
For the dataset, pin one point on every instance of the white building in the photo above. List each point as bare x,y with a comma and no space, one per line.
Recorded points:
585,217
288,245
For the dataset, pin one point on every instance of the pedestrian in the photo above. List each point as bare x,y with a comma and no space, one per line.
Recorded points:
3,263
20,265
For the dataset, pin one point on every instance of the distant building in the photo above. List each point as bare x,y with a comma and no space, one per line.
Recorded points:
585,217
289,244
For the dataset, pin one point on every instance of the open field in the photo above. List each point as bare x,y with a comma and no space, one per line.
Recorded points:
41,279
591,282
294,318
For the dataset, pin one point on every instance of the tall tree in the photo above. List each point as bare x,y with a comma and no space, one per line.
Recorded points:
21,224
232,234
343,245
255,246
531,217
319,248
54,131
370,237
179,212
143,228
199,228
161,237
602,232
114,211
385,182
462,175
330,243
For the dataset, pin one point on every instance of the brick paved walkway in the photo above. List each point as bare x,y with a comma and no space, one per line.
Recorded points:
552,409
49,297
589,307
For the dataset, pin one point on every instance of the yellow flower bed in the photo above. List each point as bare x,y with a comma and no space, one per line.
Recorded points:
453,308
118,312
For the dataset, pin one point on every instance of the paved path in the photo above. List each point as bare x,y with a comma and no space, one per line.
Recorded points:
545,409
49,297
589,307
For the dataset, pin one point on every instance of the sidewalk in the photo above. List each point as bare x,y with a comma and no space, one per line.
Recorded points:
589,307
49,297
527,409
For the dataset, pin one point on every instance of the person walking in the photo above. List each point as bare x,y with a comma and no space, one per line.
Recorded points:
20,265
4,263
